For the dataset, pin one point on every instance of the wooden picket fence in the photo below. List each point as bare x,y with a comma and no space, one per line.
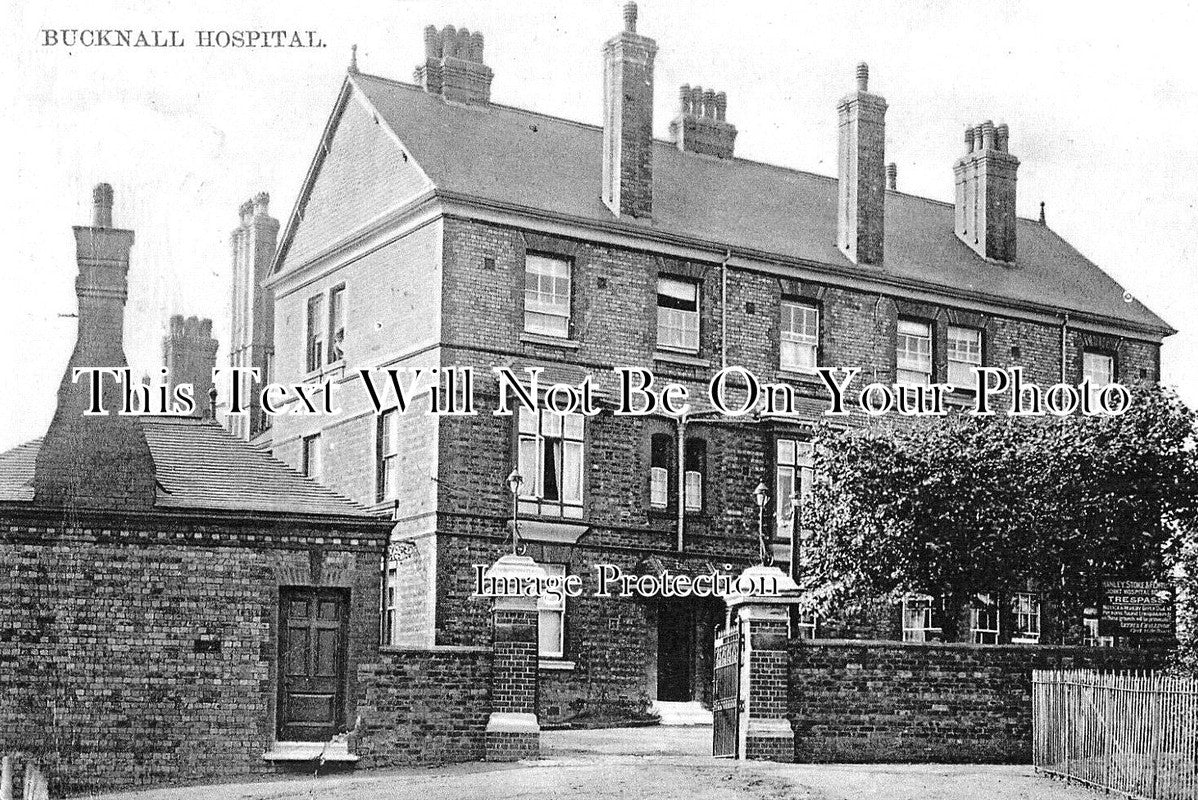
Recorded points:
1134,734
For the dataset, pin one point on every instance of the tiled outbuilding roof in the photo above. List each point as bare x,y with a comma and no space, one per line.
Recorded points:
201,466
528,161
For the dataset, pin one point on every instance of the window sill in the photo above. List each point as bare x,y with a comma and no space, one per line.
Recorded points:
684,359
555,664
549,341
800,376
337,368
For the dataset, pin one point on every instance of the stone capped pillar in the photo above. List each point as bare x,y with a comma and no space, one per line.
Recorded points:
513,732
764,618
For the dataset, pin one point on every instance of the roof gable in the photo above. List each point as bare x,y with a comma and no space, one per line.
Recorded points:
537,162
360,172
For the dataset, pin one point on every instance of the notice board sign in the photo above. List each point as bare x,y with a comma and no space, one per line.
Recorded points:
1139,608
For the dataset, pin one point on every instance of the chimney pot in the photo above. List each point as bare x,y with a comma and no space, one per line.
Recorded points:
630,17
432,42
476,47
892,176
709,104
465,46
721,106
863,77
968,139
684,99
988,135
1001,134
102,206
449,41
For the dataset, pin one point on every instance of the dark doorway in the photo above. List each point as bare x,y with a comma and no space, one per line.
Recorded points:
312,634
675,651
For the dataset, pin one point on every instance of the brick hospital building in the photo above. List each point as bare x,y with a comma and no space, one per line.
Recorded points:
437,227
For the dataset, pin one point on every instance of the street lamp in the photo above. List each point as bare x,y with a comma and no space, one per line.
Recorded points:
514,480
761,496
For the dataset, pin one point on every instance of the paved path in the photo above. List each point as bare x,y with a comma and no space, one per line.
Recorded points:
653,763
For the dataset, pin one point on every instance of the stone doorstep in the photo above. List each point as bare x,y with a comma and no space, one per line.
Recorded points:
682,713
331,752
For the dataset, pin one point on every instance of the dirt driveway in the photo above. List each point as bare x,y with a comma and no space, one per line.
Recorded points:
653,763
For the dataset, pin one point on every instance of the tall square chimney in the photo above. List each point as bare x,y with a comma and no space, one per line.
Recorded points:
861,212
628,120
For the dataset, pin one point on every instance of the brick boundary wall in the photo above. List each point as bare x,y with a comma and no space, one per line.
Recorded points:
892,702
423,706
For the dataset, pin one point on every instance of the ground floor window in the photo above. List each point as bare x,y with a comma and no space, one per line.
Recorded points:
551,622
983,619
391,605
919,619
1025,607
805,624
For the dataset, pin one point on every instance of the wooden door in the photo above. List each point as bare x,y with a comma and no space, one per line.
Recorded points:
312,652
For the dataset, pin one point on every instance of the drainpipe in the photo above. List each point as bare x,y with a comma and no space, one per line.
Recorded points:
1064,343
723,312
680,452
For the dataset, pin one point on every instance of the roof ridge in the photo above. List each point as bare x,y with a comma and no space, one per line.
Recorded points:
656,140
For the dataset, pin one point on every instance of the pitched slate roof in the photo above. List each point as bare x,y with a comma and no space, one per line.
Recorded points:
526,160
201,466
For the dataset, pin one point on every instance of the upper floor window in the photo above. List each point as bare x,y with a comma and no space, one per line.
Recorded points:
800,335
661,451
337,324
388,455
913,352
1099,368
551,613
678,314
964,354
983,619
311,456
315,338
1025,607
547,295
920,622
795,473
694,468
550,461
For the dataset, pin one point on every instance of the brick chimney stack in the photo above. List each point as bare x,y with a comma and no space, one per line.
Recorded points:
189,355
96,461
628,120
701,125
985,180
251,336
862,173
453,65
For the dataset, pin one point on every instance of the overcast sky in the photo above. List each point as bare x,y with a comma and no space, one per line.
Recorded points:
1102,105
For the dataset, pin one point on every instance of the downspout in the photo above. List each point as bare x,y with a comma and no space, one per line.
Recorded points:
680,451
1064,344
723,312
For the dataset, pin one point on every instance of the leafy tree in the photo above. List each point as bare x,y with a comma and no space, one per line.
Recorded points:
951,506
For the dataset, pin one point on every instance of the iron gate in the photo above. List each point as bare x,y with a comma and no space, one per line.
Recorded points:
725,695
